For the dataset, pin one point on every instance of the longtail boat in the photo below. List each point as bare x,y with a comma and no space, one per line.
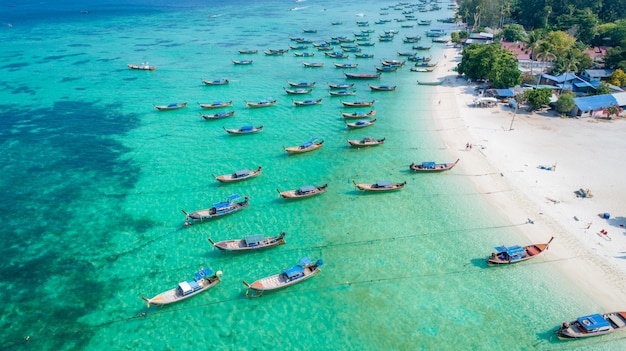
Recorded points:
366,142
290,276
250,242
360,123
262,103
217,104
358,103
303,192
358,114
341,85
202,281
313,144
248,51
382,87
142,67
242,62
346,65
312,64
514,254
244,130
380,186
216,82
172,106
432,166
592,325
362,75
301,84
342,92
307,102
218,115
438,82
241,174
219,209
298,91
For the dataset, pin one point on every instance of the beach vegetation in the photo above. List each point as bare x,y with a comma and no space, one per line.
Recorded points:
616,58
603,89
613,111
572,60
538,98
514,32
565,102
618,78
490,62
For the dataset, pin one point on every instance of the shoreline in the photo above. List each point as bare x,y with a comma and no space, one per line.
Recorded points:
582,153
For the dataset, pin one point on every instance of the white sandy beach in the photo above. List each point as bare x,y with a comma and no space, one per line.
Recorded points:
504,165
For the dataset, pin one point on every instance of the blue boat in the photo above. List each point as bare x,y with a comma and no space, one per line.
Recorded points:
233,204
592,325
503,254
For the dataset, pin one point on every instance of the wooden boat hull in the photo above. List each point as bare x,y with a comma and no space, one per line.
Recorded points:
609,322
358,103
361,75
141,67
342,93
295,194
230,178
532,251
170,107
244,132
301,84
439,167
216,82
217,115
280,281
358,115
366,142
298,91
210,213
261,104
429,83
341,86
373,187
174,295
382,88
313,64
217,105
307,102
361,124
299,149
240,245
242,62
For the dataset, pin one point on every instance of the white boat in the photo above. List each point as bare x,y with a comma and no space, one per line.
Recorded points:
202,281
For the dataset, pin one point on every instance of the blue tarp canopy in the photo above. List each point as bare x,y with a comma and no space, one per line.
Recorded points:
428,164
595,102
205,272
593,321
512,250
251,239
505,92
294,272
234,197
306,188
221,205
242,172
246,128
383,184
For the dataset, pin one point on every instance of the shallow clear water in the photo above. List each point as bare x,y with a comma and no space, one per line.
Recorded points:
94,180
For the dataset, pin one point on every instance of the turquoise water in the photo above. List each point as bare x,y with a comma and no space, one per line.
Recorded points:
94,180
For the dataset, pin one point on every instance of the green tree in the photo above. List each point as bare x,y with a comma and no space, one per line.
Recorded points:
615,58
490,62
560,42
603,89
582,24
565,103
537,98
574,60
514,32
618,78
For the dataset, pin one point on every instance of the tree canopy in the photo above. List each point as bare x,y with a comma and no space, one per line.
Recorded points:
537,98
490,62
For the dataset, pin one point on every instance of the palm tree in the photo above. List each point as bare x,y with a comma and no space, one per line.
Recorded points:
545,53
